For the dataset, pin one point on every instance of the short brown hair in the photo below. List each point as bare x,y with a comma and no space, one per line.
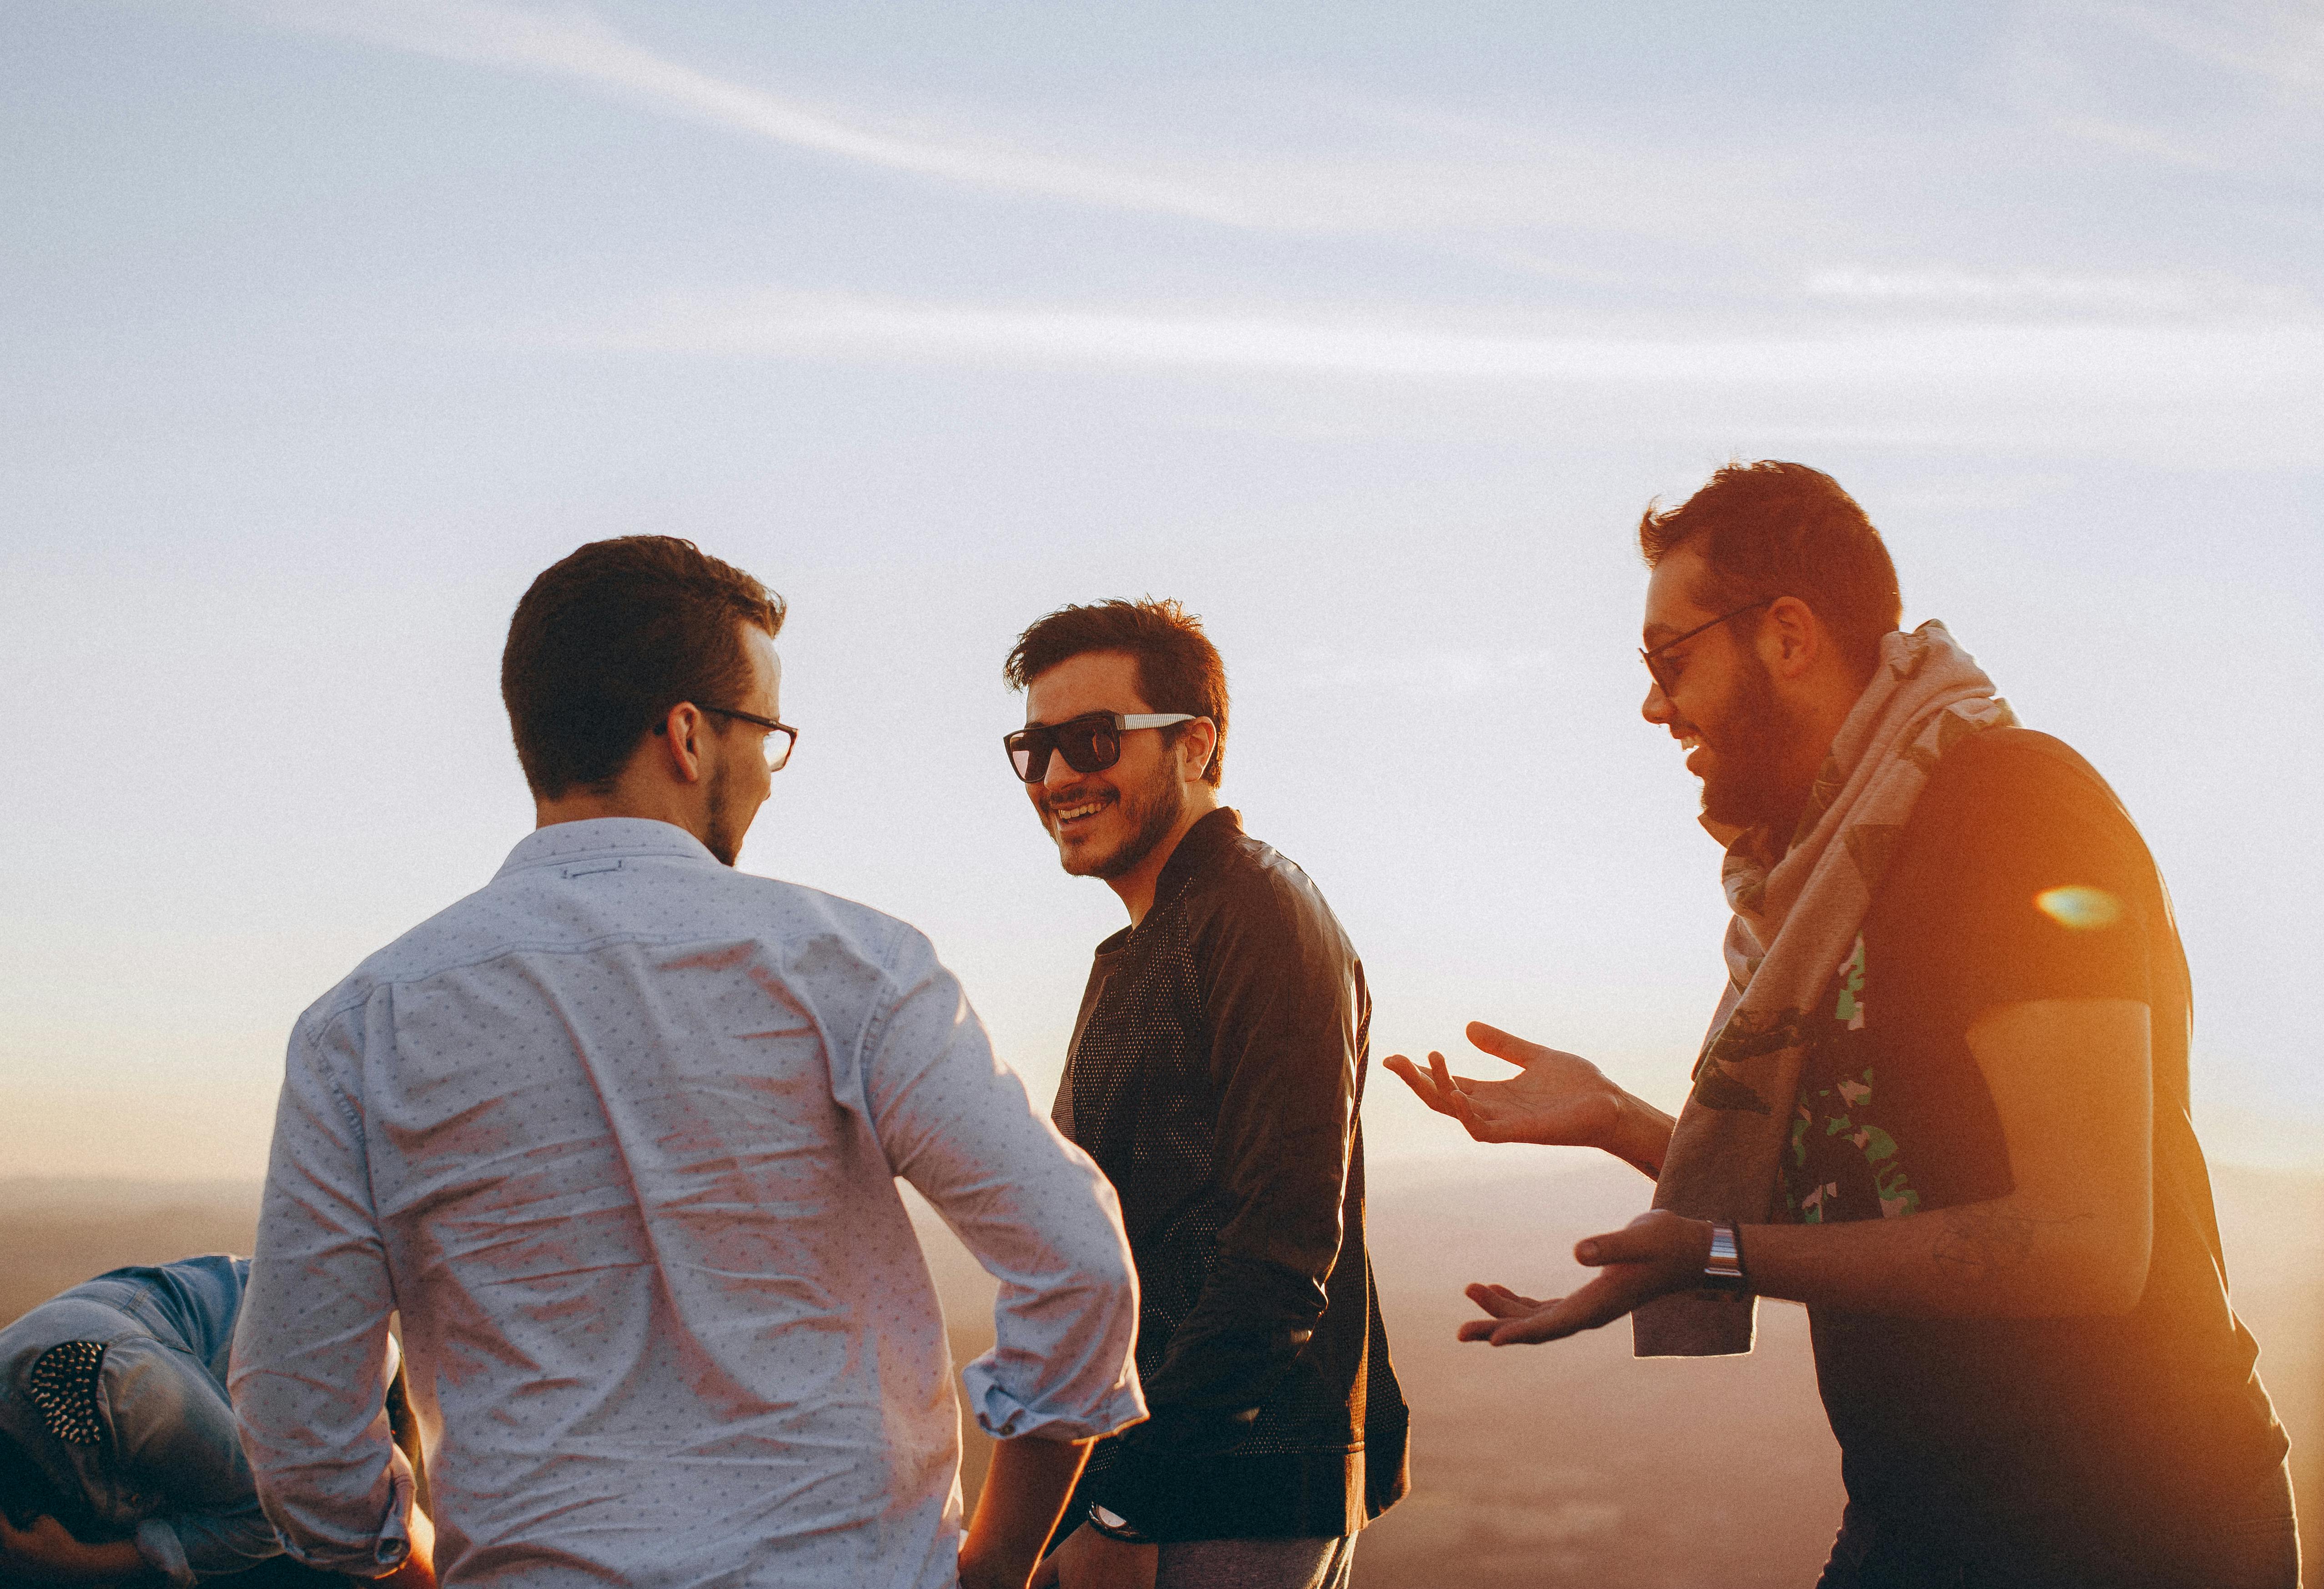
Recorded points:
608,639
1178,668
1771,529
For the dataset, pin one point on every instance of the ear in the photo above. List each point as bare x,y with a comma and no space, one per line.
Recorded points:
1790,638
1196,747
680,736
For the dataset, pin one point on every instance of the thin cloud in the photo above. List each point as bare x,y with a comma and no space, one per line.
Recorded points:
2239,356
1447,174
581,48
2283,45
2148,294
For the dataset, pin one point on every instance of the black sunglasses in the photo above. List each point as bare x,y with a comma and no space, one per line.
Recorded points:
1090,743
1666,672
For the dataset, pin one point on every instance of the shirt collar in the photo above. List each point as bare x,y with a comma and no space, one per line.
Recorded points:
564,842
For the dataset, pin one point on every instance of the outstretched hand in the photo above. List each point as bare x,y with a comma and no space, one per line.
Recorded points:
1656,1254
1556,1098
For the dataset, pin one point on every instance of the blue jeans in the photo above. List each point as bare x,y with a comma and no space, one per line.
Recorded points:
2259,1550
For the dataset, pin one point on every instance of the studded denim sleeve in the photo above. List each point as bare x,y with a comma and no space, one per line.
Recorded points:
172,1437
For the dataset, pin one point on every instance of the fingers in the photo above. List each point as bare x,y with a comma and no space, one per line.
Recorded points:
1624,1246
1424,1089
1446,1089
1656,1237
1503,1303
1509,1045
1599,1303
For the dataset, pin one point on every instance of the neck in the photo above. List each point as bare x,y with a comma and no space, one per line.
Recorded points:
1135,888
650,804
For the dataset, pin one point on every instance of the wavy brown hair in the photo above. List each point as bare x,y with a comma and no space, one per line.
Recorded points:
1771,529
1178,668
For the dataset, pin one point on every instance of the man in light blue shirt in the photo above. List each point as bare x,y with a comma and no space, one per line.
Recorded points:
618,1135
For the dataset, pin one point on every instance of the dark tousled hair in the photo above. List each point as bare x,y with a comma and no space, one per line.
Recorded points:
27,1492
608,639
1178,668
1771,529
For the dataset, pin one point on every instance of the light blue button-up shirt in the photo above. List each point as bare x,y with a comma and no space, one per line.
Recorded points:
619,1136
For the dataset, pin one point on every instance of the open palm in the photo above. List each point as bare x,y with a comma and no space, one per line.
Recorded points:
1556,1098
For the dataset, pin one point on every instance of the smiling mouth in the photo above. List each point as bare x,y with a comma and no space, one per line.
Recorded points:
1078,811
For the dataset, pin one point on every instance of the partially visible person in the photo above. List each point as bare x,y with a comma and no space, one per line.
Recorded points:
619,1135
1944,1102
118,1457
1215,1072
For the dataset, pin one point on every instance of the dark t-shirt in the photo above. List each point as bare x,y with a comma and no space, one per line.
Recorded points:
2018,877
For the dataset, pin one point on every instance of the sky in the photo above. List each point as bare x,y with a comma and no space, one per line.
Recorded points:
1365,330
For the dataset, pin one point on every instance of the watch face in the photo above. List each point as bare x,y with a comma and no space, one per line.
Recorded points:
1112,1520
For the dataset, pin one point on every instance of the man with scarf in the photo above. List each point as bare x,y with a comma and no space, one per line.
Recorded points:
1943,1100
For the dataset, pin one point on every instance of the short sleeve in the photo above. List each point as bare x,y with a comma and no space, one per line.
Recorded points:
2045,888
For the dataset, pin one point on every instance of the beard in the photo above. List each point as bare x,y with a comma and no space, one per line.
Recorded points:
1747,786
1152,811
724,838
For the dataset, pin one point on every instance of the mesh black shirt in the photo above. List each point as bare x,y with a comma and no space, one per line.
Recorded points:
1216,1074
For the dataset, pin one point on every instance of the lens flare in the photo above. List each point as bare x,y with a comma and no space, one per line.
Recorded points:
2079,907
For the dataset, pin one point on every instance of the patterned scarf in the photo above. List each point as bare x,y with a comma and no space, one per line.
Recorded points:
1797,926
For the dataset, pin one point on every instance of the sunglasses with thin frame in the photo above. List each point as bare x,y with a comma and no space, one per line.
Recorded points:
1090,743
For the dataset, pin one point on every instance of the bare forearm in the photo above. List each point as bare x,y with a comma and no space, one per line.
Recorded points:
1023,1494
1642,1135
1992,1259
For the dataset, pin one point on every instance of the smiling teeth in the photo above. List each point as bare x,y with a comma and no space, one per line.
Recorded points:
1688,742
1068,813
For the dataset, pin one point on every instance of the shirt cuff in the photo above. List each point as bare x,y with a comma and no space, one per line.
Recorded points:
165,1552
395,1531
1004,1417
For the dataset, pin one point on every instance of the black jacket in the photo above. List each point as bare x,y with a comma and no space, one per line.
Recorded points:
1215,1072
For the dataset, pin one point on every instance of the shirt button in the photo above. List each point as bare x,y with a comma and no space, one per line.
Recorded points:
1009,1428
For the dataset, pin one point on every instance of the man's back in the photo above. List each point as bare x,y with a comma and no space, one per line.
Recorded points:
619,1133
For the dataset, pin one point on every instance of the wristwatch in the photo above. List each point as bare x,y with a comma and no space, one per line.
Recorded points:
1114,1526
1723,1269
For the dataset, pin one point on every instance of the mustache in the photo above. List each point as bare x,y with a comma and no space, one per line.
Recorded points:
1075,794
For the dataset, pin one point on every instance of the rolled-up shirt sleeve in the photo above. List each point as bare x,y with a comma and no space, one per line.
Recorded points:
310,1355
1038,1215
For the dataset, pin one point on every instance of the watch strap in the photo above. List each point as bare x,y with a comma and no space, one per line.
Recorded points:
1723,1270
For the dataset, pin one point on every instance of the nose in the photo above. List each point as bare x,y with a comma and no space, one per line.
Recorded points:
1057,774
1656,708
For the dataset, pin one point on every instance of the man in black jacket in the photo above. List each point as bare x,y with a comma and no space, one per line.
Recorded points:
1214,1075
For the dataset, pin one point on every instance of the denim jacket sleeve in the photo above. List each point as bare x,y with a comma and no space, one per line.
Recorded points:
1282,1000
173,1440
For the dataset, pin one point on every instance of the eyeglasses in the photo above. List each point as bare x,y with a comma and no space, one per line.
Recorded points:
1665,673
780,736
1090,743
